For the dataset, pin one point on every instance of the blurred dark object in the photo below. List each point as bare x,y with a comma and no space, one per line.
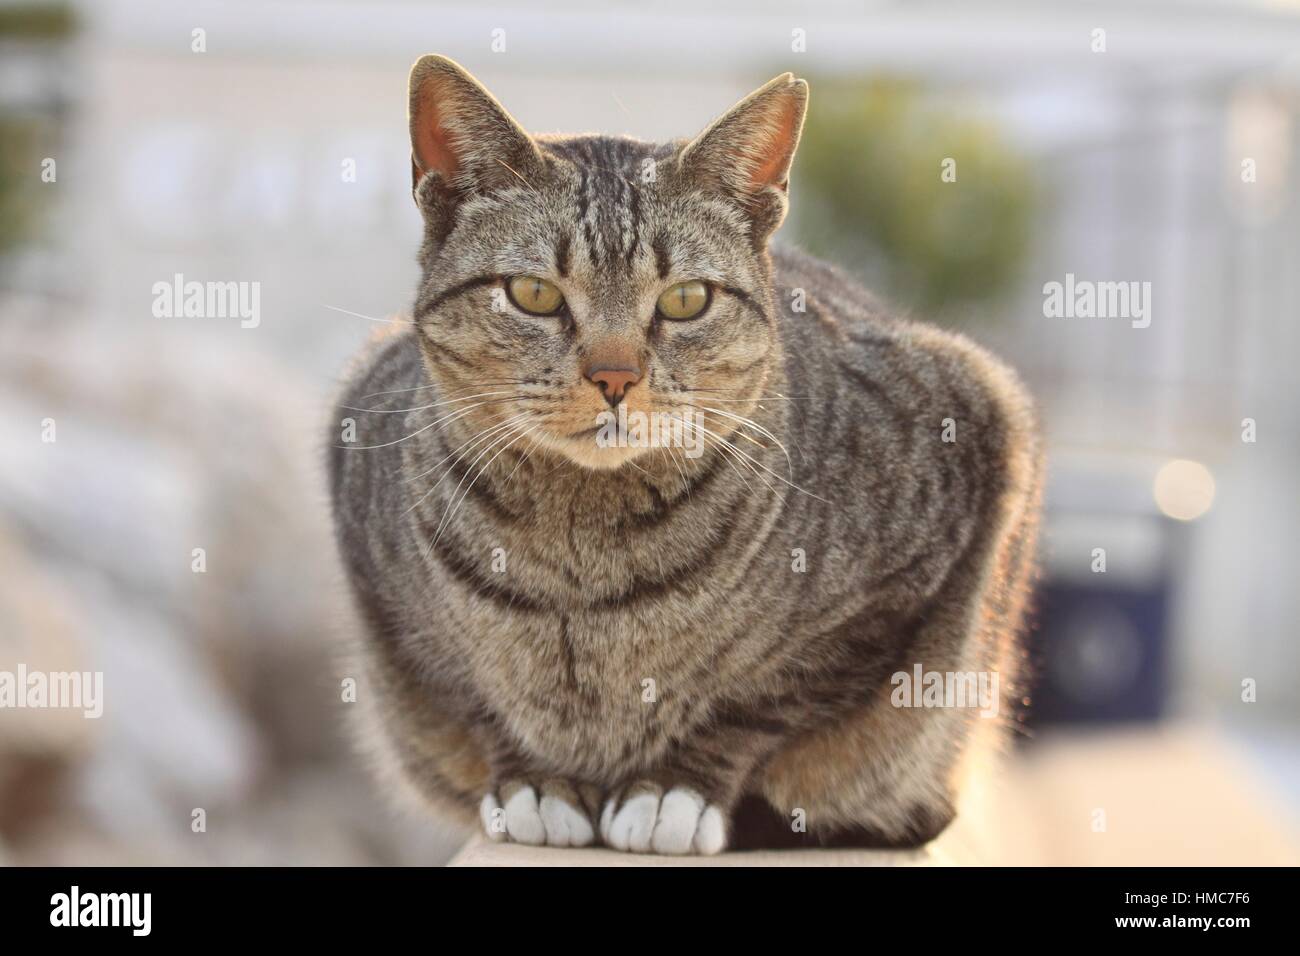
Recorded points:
1102,645
1101,653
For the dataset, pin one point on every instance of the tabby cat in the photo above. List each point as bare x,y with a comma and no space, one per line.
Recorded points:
687,645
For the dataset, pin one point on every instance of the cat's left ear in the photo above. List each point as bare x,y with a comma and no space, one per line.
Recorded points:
747,152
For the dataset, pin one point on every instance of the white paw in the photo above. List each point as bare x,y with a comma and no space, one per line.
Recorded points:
493,818
679,822
565,826
523,819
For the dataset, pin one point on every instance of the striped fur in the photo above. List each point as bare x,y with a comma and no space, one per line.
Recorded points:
630,570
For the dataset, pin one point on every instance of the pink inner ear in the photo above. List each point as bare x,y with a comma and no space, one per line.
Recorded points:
770,171
433,145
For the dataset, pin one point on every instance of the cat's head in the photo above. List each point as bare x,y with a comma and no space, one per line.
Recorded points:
564,276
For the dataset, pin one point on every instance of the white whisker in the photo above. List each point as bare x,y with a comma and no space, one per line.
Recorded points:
758,428
459,454
370,318
420,408
765,468
454,507
463,388
437,421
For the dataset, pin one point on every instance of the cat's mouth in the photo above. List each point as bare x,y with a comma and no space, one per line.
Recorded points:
598,446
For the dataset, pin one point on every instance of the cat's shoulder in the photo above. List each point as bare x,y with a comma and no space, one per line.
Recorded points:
390,359
918,368
806,285
382,377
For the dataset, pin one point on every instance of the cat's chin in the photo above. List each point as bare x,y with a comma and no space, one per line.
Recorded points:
587,454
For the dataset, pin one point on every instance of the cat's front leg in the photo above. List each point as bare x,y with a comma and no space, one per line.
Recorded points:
540,812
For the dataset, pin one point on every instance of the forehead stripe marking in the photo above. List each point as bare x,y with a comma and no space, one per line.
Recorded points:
634,200
562,249
745,299
586,214
662,262
459,289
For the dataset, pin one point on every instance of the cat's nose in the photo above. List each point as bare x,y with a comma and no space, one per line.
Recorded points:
613,381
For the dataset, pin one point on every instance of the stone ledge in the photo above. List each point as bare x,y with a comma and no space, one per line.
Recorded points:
1173,796
481,852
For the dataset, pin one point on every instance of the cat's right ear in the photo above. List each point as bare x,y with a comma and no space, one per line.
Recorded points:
462,140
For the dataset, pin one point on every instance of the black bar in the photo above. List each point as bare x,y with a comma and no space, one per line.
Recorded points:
333,906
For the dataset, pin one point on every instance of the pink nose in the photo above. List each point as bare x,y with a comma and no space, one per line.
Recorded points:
614,382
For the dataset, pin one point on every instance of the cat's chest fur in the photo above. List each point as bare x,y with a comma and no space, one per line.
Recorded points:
595,693
600,620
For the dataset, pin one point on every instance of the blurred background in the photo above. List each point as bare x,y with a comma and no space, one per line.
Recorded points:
958,156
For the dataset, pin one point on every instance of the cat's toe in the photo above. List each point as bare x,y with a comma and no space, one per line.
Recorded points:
679,814
710,832
678,822
631,826
493,818
523,817
565,824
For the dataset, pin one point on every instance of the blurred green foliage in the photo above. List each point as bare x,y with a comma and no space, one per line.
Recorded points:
36,21
19,180
870,195
22,134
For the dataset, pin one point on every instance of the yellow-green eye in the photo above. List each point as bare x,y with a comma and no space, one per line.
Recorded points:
685,300
535,295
